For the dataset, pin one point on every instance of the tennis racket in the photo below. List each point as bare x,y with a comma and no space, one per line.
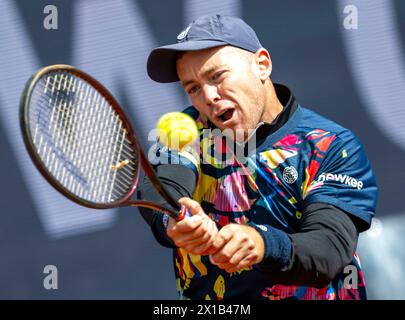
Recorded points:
80,140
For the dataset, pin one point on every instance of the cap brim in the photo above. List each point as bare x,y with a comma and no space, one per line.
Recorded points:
161,65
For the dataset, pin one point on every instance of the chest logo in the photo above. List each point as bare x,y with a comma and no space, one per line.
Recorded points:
290,174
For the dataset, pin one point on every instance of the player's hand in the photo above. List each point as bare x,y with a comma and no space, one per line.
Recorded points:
197,233
237,246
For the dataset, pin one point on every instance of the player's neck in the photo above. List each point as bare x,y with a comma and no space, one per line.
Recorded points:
273,106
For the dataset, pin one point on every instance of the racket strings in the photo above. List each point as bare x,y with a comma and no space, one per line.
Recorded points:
127,149
81,139
96,151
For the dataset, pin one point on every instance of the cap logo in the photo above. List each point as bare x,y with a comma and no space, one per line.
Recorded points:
183,34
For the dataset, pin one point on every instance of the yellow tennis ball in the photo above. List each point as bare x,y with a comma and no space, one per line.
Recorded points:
176,129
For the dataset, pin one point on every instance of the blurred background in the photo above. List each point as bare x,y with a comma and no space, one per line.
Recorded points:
343,59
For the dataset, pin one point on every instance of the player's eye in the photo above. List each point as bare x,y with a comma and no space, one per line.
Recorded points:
217,75
192,89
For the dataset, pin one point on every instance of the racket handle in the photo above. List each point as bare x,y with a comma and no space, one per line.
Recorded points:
176,215
182,214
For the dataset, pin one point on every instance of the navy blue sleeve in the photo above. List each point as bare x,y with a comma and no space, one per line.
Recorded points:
316,254
346,180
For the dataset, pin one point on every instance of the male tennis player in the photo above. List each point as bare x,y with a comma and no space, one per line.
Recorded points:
283,224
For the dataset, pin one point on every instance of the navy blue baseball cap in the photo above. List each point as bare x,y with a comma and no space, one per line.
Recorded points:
206,32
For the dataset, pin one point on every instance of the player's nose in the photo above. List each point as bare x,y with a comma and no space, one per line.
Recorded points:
211,94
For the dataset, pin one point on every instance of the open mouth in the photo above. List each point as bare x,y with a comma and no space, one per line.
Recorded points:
226,115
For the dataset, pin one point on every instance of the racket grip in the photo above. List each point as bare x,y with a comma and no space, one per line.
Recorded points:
182,214
176,215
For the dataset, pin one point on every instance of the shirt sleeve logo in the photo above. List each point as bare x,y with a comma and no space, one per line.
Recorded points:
290,174
342,178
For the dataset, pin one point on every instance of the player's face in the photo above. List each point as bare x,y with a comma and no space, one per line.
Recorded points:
226,85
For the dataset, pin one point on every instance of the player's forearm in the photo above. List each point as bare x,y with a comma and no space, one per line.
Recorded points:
316,254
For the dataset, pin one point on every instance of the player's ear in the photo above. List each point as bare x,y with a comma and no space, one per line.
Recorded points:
264,64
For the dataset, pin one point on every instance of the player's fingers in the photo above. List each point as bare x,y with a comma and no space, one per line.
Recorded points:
226,244
211,249
193,239
239,260
204,235
234,260
199,249
244,263
193,206
184,228
201,246
189,224
223,255
224,236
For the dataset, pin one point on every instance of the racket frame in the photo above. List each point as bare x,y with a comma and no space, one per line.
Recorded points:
142,160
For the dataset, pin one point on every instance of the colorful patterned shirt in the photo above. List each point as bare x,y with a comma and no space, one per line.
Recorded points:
309,159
